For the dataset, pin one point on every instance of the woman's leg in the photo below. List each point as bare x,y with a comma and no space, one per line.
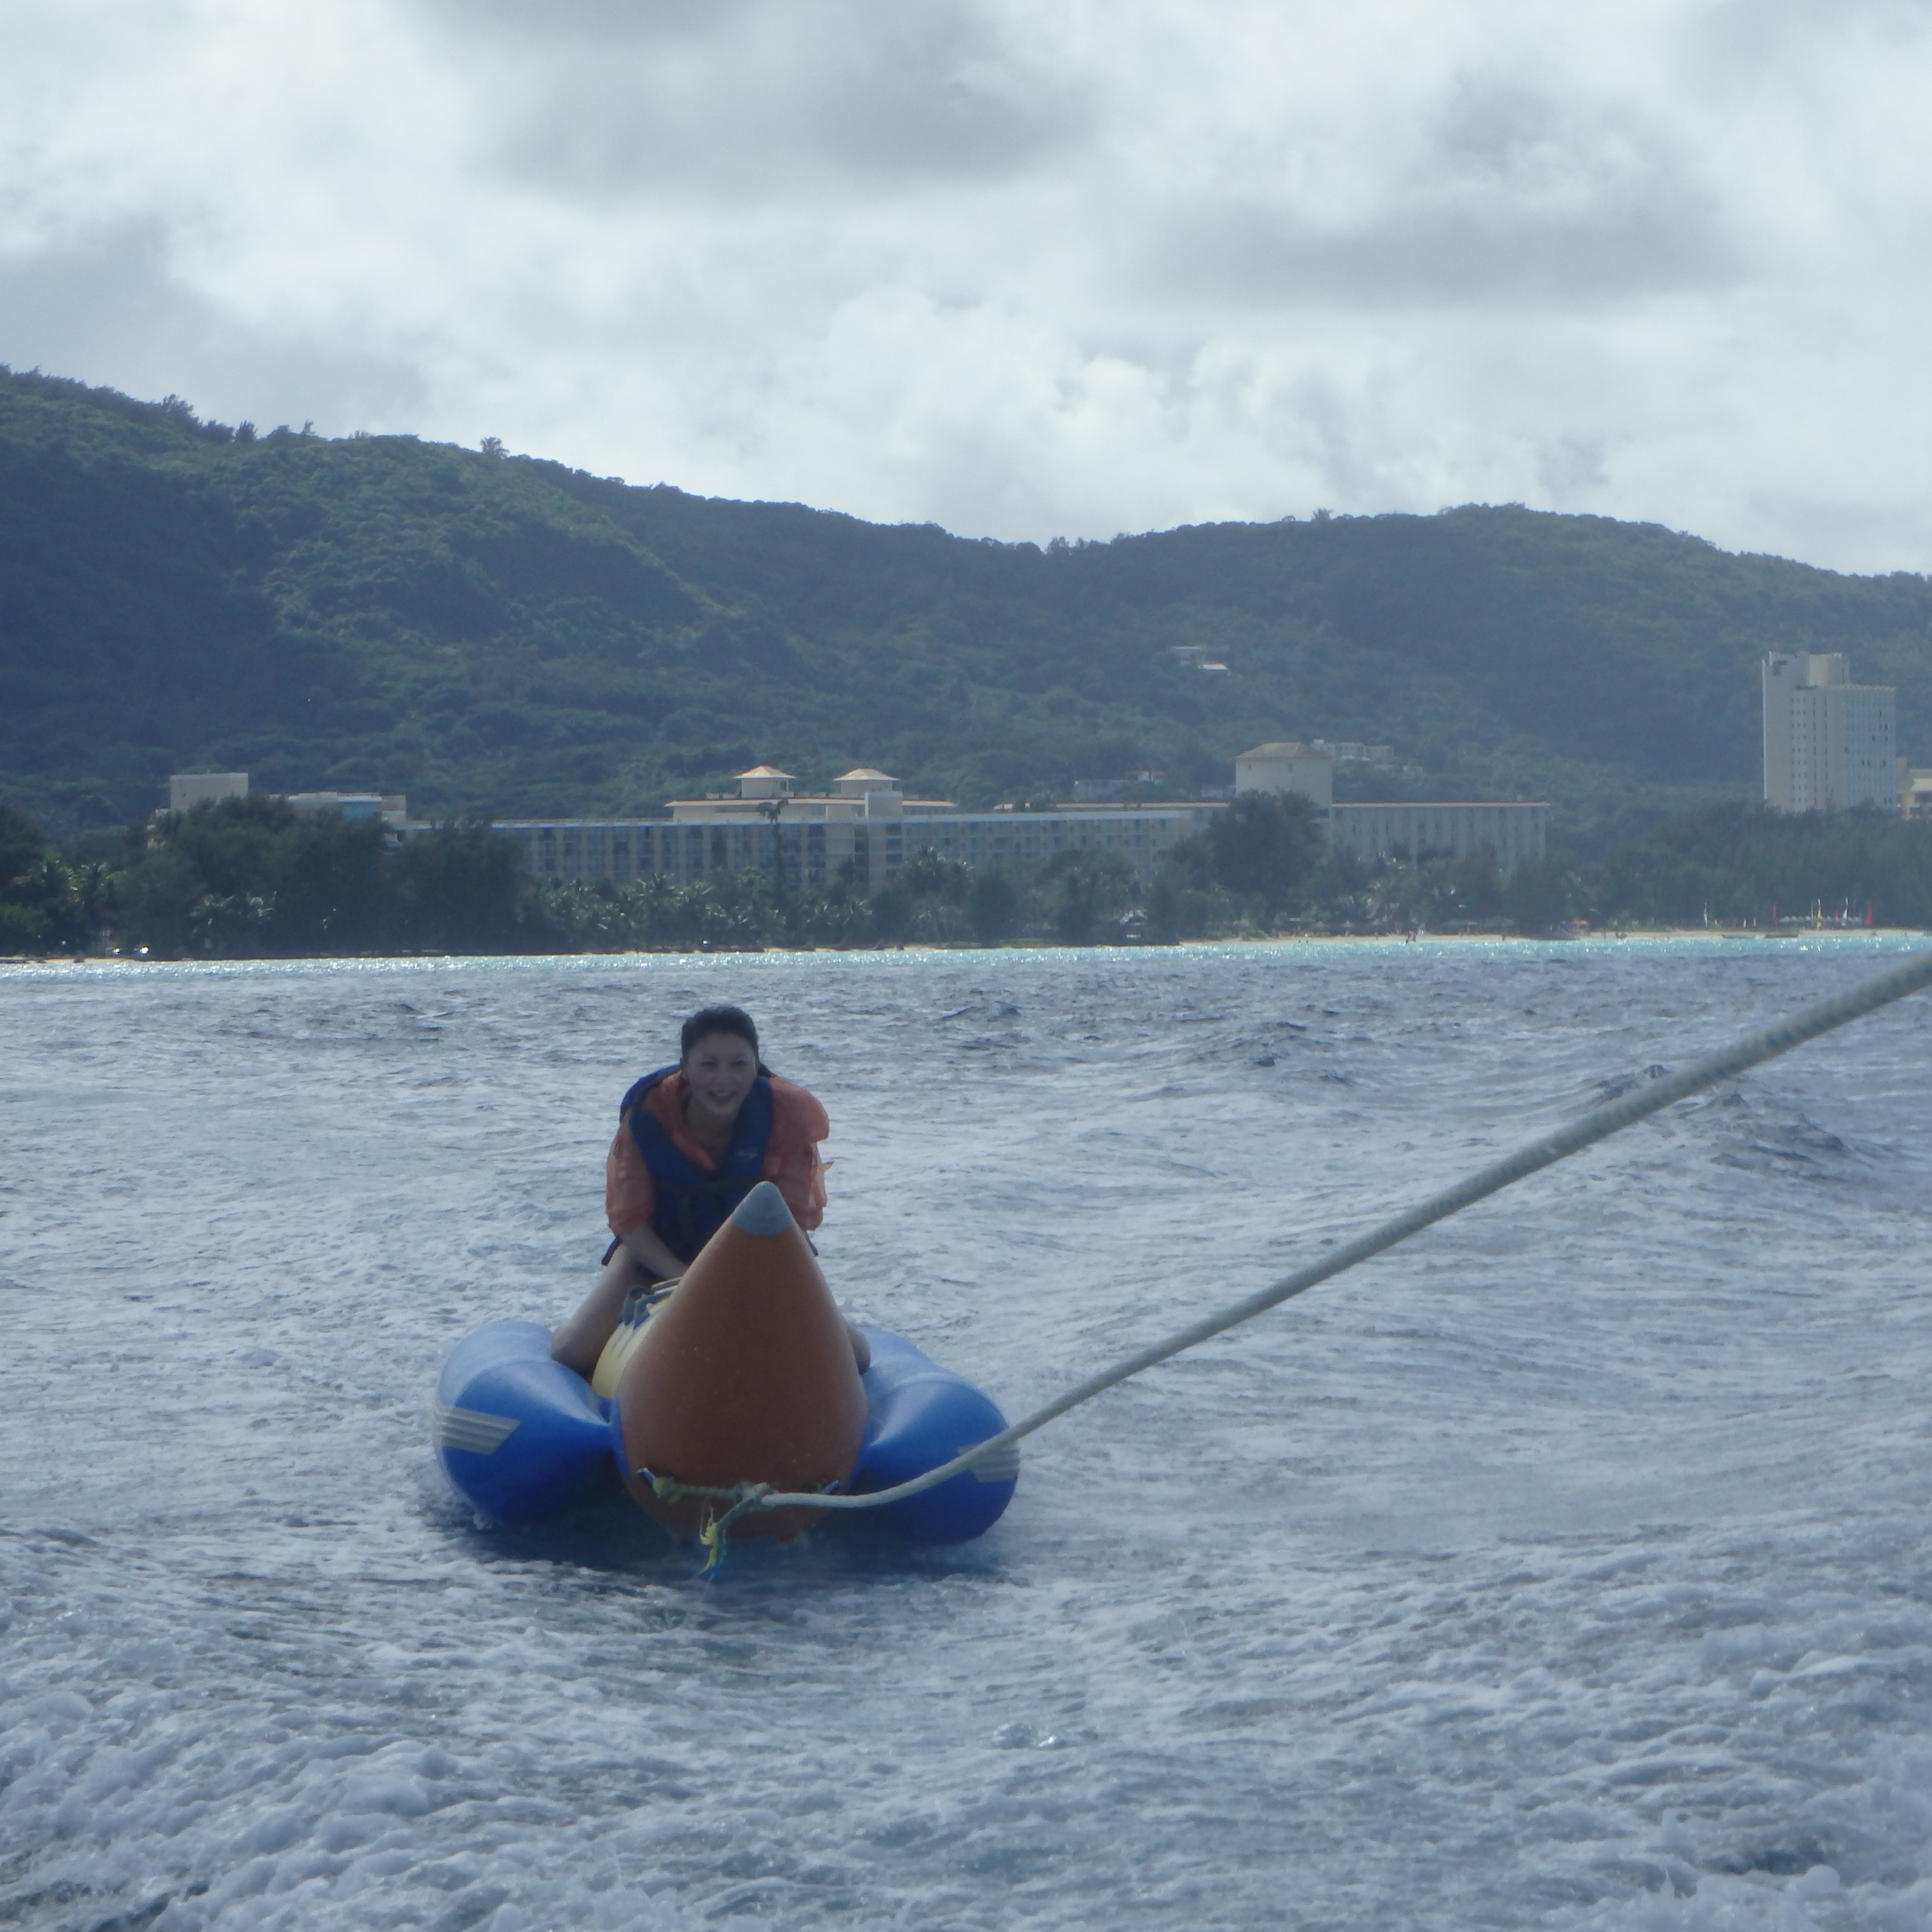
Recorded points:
861,1349
581,1340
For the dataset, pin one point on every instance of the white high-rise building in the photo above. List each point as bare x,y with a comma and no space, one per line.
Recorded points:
1829,744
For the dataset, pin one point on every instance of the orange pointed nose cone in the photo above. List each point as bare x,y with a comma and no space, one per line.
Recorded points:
745,1374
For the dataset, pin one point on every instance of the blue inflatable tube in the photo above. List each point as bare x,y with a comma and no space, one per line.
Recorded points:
521,1436
524,1439
919,1415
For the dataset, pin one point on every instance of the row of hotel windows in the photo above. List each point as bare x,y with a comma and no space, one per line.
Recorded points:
1512,832
621,851
626,851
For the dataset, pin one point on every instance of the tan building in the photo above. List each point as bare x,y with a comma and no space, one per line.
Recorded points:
765,792
1915,792
1829,744
866,823
861,823
1512,829
1287,766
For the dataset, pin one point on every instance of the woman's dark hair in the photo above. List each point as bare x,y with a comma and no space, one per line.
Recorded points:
709,1020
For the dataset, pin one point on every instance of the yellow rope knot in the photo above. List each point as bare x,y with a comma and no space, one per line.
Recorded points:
711,1534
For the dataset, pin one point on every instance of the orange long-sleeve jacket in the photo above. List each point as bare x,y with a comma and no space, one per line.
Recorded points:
799,1123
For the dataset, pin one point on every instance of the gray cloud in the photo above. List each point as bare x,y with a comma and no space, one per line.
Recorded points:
1024,266
1449,252
600,24
776,98
1508,194
110,312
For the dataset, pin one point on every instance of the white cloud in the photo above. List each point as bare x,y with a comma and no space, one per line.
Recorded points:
1024,269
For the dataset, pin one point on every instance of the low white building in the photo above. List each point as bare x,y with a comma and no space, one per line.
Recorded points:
861,824
187,790
866,823
1147,834
1513,829
617,849
859,827
868,829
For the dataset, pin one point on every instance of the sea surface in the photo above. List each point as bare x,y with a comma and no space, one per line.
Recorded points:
1569,1566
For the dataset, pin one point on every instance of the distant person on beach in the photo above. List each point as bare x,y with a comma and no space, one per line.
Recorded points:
692,1140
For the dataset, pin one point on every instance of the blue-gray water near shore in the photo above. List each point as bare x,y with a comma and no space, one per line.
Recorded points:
1568,1567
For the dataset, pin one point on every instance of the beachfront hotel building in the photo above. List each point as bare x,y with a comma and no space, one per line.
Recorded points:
1513,829
1146,833
1829,744
866,829
859,828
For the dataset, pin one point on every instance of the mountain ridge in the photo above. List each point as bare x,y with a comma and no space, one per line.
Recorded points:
505,636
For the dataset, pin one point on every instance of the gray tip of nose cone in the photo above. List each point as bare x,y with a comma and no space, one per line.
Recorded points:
762,1211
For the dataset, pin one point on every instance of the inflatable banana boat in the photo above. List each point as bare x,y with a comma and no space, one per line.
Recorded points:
743,1373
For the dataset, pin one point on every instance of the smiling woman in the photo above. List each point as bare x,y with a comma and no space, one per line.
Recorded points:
692,1140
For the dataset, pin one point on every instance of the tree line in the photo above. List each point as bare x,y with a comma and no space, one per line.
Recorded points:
252,878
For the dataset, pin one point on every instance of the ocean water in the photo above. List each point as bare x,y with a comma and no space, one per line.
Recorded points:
1568,1567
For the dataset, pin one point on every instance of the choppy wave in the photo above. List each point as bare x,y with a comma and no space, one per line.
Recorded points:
1566,1567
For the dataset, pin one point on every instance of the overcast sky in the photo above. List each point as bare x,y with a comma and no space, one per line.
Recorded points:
1024,267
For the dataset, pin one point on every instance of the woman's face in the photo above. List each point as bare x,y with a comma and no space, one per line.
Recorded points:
720,1068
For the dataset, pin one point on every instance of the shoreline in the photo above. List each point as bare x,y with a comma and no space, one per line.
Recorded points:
1619,935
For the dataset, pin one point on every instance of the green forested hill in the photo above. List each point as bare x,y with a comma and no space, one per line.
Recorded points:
502,635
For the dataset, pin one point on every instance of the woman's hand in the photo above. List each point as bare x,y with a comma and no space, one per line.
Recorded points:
650,1254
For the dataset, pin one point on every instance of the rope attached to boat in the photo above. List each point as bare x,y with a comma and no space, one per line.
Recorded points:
1626,1110
711,1538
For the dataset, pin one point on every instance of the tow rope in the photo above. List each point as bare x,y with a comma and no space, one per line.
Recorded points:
1626,1110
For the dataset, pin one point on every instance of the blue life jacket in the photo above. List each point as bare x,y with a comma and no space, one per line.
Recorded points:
691,1204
